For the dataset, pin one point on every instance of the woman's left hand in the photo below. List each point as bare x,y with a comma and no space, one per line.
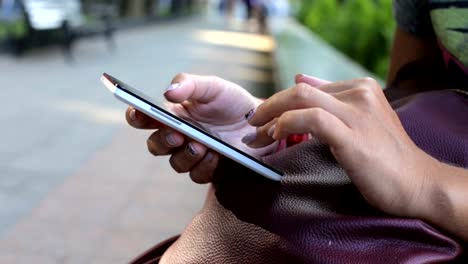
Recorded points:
364,134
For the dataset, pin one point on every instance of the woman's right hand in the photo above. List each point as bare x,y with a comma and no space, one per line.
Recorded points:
364,134
220,106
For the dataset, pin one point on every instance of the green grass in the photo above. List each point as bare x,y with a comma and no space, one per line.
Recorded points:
361,29
15,29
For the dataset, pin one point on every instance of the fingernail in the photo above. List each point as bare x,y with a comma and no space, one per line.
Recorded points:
250,114
133,115
172,87
315,80
209,156
271,130
249,138
171,140
300,75
191,150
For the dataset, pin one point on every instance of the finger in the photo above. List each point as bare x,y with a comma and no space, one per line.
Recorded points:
331,87
310,80
358,92
138,119
342,86
194,88
323,85
203,171
323,125
261,137
164,141
184,159
297,97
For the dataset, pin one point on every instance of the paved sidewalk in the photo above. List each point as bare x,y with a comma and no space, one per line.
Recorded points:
119,203
78,185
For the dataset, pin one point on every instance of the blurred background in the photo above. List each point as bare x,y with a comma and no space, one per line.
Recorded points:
362,29
77,185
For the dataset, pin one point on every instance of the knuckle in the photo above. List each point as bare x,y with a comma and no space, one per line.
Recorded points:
369,83
318,115
301,91
364,93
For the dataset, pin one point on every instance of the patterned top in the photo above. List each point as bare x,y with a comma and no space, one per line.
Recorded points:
448,19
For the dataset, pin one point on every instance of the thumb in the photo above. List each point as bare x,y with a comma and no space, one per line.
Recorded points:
187,87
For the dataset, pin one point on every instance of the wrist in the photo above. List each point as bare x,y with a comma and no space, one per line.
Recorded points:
443,201
435,205
427,191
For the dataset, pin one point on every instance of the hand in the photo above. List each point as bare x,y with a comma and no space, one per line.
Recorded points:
262,135
218,105
363,133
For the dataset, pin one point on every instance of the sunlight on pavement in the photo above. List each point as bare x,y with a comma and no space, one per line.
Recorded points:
236,72
254,42
237,56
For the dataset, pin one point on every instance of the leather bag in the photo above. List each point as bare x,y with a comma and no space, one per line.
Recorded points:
315,214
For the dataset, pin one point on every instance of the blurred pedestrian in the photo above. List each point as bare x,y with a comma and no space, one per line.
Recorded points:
260,14
249,8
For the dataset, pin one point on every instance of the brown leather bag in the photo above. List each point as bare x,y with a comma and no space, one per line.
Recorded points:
316,215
